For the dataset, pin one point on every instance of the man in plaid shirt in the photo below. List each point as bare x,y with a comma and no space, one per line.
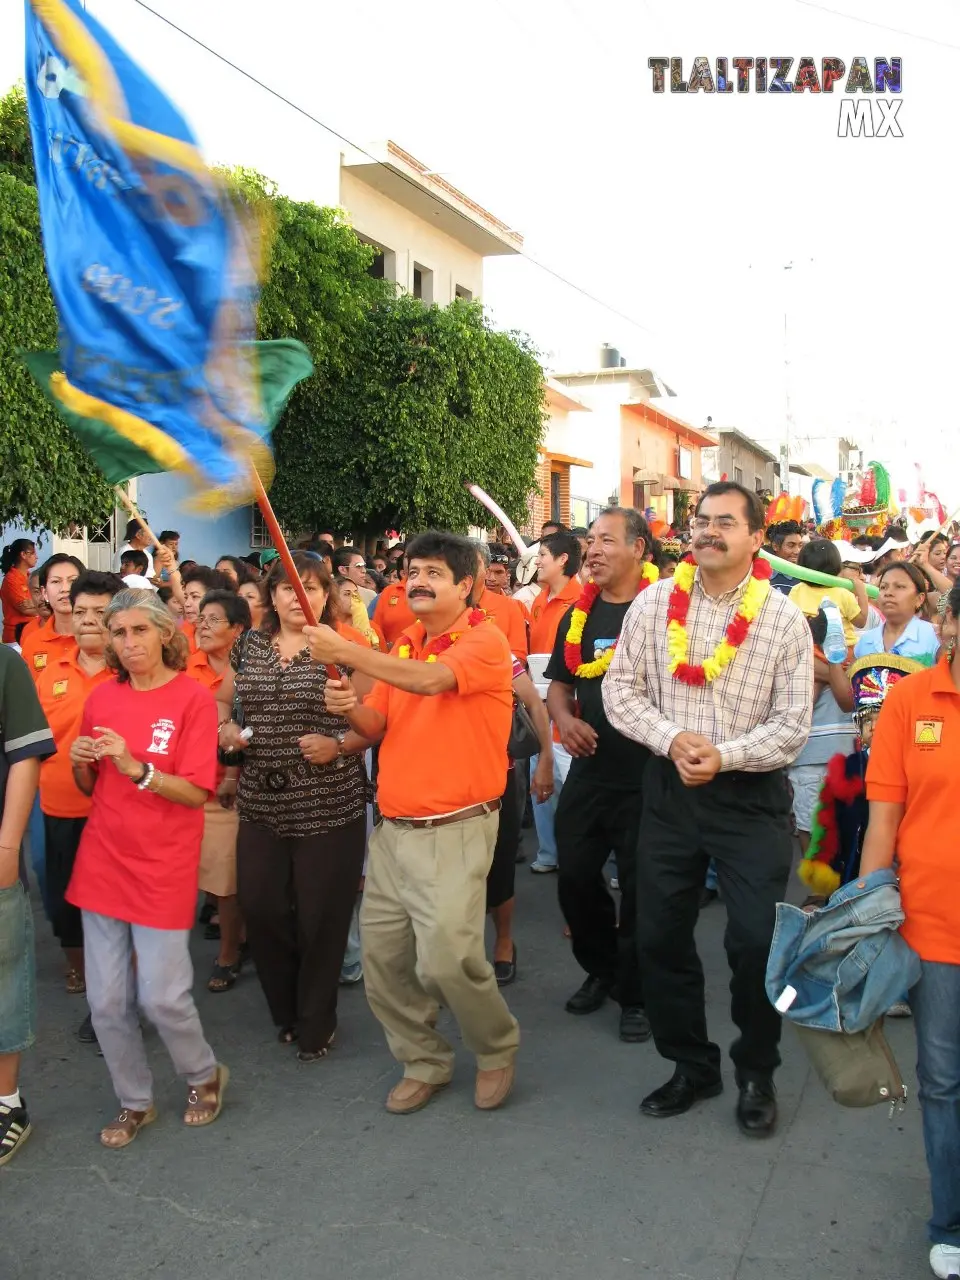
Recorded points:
715,788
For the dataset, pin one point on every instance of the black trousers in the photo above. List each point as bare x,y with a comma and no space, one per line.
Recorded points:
62,837
502,875
592,821
742,821
297,897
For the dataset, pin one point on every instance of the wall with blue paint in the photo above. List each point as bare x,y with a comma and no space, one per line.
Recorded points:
160,497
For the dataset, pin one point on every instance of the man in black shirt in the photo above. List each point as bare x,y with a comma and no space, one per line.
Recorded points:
786,541
600,804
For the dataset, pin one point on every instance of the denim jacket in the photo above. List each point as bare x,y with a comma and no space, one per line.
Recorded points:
846,961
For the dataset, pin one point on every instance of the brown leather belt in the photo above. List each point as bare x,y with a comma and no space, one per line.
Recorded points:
475,811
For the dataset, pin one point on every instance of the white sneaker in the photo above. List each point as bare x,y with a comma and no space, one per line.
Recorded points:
945,1261
900,1009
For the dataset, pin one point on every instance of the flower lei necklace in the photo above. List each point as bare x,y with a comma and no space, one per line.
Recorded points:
678,642
572,645
442,643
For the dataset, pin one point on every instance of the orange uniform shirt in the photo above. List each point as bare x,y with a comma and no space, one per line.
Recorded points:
41,648
189,629
392,614
351,633
33,625
63,687
14,592
199,669
913,762
545,615
509,616
447,752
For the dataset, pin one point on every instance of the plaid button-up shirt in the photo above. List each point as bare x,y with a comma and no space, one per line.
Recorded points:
757,711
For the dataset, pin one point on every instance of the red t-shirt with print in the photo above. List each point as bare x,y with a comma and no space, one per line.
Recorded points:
139,855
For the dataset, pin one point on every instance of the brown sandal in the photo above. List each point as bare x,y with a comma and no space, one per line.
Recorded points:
205,1101
76,986
122,1131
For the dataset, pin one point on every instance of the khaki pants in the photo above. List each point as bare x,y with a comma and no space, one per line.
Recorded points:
421,927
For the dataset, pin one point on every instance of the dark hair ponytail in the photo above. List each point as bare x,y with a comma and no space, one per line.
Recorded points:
12,553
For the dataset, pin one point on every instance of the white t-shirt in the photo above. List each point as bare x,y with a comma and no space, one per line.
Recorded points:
127,547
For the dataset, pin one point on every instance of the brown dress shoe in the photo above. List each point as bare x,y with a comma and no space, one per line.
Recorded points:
410,1095
493,1088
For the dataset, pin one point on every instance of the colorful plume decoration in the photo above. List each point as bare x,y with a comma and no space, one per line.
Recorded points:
817,496
881,485
842,784
838,493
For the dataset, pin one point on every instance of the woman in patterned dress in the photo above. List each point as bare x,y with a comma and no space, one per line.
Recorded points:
302,803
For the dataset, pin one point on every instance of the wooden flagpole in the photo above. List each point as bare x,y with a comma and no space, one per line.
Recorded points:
280,542
128,502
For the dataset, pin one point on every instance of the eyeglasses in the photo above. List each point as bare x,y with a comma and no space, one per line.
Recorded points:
208,620
723,523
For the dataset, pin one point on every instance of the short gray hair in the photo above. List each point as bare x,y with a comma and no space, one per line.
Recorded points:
484,549
175,646
636,525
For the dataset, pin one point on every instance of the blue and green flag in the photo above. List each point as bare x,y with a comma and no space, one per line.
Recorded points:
154,268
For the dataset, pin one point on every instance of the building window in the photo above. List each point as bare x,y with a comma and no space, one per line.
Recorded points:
555,495
384,264
259,534
465,294
738,474
759,483
422,283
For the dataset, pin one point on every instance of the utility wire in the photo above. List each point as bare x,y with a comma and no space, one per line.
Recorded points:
882,26
248,75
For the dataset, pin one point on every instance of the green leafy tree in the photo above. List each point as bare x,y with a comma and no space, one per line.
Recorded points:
408,403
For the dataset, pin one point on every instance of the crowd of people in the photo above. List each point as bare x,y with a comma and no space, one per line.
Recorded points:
345,799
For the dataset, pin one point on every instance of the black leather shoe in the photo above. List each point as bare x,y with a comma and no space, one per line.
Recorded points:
589,997
677,1096
634,1025
757,1108
505,971
85,1032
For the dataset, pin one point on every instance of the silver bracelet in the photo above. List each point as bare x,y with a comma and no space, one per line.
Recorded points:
142,786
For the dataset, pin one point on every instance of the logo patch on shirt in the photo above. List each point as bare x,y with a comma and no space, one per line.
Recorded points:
162,731
59,688
39,661
600,647
928,732
394,600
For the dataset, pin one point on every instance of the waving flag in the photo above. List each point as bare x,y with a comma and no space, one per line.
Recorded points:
154,271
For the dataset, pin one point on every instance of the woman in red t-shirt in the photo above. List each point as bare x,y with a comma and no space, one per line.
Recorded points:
146,755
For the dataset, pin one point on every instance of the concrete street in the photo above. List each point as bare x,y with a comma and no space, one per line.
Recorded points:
305,1174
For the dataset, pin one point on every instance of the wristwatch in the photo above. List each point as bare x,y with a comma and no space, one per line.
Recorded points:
341,754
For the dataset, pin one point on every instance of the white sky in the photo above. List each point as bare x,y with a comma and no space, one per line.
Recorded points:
679,211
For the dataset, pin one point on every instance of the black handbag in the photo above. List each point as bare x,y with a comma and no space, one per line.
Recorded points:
524,739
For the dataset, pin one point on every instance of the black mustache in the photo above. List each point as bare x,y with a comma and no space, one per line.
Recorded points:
719,546
421,591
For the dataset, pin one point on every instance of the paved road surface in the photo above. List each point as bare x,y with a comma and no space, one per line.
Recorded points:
305,1175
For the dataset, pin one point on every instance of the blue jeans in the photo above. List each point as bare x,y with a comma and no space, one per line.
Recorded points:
544,814
935,1001
18,992
37,851
713,880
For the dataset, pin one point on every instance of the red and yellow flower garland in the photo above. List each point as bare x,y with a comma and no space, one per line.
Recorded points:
572,645
678,642
442,643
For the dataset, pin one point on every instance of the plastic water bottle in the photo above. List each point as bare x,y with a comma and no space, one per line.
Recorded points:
834,646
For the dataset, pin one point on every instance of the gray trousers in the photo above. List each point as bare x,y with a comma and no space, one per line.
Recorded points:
162,985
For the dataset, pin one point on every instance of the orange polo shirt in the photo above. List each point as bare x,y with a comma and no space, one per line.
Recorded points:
43,647
392,614
63,687
449,751
545,615
14,592
189,629
913,762
509,616
353,634
199,669
33,625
